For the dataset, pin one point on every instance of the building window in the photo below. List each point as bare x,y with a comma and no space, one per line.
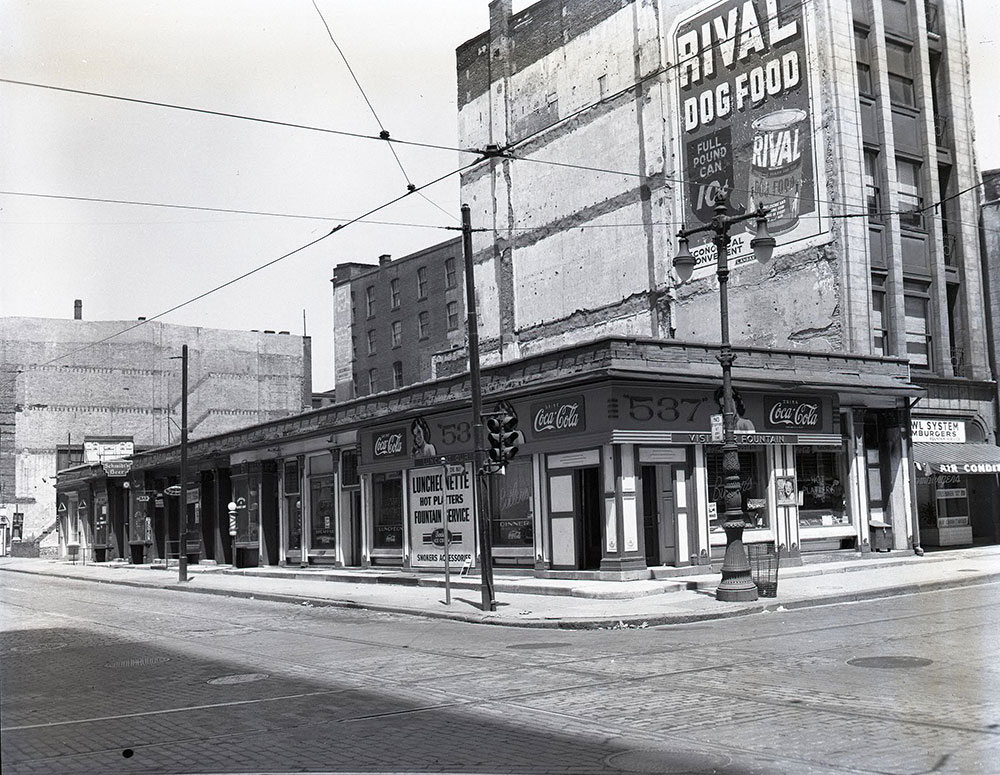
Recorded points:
753,483
354,386
873,192
880,331
450,280
422,282
512,523
292,482
354,348
900,67
372,380
602,86
370,300
452,315
387,511
322,502
862,55
371,341
820,489
354,306
423,325
397,333
397,374
394,292
910,200
917,306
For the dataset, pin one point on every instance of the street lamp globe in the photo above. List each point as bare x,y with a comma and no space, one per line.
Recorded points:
763,243
683,260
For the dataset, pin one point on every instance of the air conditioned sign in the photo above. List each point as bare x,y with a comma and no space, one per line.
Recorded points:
746,120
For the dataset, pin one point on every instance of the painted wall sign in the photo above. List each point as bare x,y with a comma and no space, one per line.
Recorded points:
747,128
390,443
432,494
937,431
792,413
566,415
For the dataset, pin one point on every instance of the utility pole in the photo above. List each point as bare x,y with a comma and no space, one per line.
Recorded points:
182,521
489,603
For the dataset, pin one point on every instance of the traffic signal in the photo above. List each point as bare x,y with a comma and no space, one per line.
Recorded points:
494,435
510,436
503,437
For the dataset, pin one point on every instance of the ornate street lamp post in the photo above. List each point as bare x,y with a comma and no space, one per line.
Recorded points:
736,584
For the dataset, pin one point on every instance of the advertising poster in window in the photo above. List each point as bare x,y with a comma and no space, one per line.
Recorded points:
749,128
434,492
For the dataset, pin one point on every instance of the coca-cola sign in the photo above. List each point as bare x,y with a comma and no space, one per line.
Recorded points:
389,444
793,413
566,415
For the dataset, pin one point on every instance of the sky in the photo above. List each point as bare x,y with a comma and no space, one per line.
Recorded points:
266,59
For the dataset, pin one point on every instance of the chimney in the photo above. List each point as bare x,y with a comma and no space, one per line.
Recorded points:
384,259
78,309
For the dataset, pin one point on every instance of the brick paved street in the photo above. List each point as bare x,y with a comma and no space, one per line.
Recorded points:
104,679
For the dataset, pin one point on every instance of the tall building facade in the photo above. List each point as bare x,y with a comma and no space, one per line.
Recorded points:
611,124
69,382
397,323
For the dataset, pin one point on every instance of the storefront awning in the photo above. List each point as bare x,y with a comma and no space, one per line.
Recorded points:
968,458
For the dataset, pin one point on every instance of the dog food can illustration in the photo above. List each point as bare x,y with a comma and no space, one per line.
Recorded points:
779,140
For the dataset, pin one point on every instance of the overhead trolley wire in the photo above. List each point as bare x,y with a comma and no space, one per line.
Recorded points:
246,274
237,116
228,210
383,132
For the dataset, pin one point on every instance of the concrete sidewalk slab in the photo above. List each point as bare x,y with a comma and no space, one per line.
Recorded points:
562,603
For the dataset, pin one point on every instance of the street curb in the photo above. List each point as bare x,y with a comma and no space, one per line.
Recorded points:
583,623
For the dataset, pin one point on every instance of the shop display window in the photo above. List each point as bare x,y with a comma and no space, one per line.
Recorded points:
820,489
943,501
512,524
753,485
387,511
323,533
293,504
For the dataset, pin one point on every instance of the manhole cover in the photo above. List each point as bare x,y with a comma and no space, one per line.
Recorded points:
889,663
667,762
536,645
38,647
239,678
138,662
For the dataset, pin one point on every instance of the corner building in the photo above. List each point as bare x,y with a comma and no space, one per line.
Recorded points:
619,122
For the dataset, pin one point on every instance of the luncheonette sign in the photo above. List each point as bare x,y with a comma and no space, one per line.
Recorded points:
747,123
434,493
939,431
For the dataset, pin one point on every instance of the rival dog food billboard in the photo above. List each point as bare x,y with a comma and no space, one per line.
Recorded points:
748,120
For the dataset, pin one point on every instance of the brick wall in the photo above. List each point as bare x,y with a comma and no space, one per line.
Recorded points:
130,386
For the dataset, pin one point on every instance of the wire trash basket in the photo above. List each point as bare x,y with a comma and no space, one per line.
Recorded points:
764,560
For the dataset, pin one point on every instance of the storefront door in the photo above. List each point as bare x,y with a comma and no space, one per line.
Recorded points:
659,516
575,518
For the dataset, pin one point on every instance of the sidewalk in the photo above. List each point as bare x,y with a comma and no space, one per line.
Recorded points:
525,601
